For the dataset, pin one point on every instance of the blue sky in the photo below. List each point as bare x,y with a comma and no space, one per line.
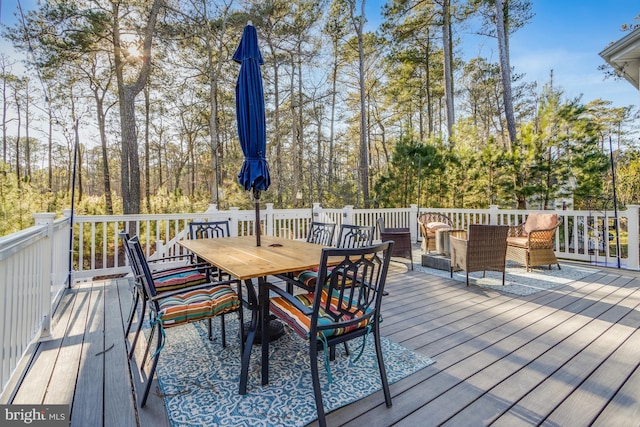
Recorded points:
564,35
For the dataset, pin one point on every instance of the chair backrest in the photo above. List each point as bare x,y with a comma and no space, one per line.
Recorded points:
355,236
321,233
356,286
434,217
490,241
125,238
141,267
209,229
540,221
381,226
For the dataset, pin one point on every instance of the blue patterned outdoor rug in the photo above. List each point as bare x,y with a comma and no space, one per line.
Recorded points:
199,378
517,280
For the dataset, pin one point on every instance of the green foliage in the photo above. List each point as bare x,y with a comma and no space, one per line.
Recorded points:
413,170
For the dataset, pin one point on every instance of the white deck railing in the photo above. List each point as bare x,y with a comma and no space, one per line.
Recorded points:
34,263
34,269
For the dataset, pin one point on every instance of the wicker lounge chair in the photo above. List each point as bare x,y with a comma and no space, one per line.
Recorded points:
484,248
401,238
532,242
429,223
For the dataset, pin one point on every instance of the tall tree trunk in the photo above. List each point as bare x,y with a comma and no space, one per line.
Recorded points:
18,113
294,129
299,138
27,145
505,69
215,71
448,72
127,93
147,150
106,176
363,167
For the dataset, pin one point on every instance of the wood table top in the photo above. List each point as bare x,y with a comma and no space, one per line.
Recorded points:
240,257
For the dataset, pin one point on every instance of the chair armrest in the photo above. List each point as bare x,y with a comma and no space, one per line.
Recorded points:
201,267
458,243
399,230
167,258
307,311
516,230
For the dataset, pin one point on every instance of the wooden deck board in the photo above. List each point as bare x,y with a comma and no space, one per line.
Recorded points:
87,406
34,384
559,357
118,406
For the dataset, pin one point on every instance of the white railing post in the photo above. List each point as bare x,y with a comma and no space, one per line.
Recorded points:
213,207
633,261
46,273
347,214
494,213
413,219
316,209
233,220
269,220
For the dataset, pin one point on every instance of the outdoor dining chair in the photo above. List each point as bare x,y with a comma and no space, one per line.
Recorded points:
210,230
167,279
171,309
344,305
321,233
350,236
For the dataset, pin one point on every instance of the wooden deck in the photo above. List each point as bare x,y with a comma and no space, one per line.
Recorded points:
568,356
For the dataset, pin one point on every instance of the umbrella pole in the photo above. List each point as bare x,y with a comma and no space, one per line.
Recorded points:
256,202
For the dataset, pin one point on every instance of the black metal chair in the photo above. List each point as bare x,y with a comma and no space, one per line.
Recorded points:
183,306
345,305
355,236
210,230
167,279
350,236
321,233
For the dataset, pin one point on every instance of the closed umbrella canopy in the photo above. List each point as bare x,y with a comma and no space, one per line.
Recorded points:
250,116
250,113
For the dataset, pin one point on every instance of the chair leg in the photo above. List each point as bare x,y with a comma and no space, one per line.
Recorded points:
153,367
132,312
139,328
246,354
313,357
224,332
383,371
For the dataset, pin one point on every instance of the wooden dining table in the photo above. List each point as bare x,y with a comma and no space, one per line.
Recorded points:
243,259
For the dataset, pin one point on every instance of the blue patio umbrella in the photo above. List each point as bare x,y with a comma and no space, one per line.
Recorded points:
250,115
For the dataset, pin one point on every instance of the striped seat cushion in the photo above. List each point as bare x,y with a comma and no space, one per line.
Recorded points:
198,304
179,279
307,277
301,323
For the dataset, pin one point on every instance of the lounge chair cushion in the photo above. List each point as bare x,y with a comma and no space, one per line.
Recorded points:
433,226
197,304
301,323
539,221
520,242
